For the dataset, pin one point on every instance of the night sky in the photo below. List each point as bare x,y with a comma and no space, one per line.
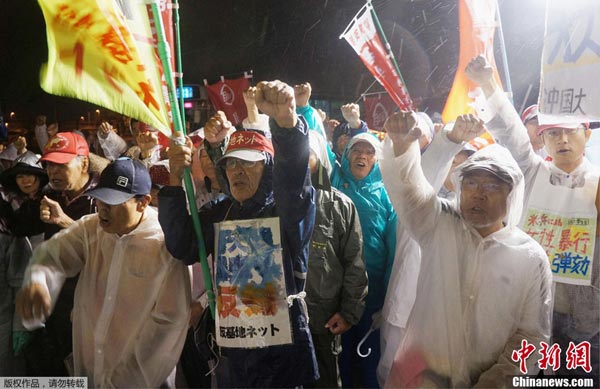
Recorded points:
291,40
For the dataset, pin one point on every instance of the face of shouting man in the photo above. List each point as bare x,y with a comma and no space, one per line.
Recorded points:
362,159
121,218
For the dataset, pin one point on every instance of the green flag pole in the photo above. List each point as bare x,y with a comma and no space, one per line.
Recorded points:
163,51
178,58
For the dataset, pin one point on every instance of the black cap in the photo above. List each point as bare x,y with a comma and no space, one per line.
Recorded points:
121,180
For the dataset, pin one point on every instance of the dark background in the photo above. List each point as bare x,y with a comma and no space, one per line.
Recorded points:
291,40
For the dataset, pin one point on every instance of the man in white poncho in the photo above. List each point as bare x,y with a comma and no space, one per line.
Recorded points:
484,285
132,301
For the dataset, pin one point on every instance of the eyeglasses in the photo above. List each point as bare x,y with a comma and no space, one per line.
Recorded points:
471,185
231,163
557,131
369,151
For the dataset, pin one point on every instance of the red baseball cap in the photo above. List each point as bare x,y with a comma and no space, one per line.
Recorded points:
530,113
249,146
65,146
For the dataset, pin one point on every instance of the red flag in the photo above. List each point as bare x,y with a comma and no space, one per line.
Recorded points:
377,109
362,35
227,96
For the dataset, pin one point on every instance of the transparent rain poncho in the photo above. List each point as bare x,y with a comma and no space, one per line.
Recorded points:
477,298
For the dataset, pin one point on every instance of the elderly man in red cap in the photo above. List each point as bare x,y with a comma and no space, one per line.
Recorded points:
66,159
259,237
562,199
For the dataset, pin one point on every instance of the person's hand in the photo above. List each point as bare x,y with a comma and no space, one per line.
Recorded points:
250,100
276,99
20,144
250,96
337,325
180,157
104,129
217,128
146,141
466,128
402,130
351,113
52,129
52,213
20,340
33,302
481,72
332,124
302,94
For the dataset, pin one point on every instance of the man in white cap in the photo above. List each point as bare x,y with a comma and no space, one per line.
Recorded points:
132,300
484,285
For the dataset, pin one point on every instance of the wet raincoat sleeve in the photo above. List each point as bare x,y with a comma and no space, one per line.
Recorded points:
390,242
437,159
294,195
506,126
58,258
113,145
414,199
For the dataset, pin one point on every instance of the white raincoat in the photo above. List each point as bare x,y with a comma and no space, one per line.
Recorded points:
580,303
402,289
132,301
477,298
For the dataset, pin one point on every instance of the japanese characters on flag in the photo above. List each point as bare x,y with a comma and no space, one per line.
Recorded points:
227,96
250,284
105,52
362,35
377,109
569,91
564,224
477,25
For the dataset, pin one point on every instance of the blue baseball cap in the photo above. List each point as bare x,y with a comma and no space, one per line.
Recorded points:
122,180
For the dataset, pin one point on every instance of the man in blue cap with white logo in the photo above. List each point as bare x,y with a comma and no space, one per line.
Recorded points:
132,300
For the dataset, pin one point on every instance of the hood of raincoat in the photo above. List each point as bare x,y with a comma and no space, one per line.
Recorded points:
498,158
374,177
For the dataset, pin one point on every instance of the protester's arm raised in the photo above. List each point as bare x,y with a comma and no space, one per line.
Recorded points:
505,124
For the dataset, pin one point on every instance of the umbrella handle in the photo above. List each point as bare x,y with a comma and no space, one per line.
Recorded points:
361,343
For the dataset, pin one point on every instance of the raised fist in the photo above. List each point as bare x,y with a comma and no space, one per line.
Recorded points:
402,130
276,99
217,128
351,113
466,128
302,94
480,71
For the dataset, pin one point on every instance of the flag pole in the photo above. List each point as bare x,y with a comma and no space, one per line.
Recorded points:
503,52
178,59
388,47
163,51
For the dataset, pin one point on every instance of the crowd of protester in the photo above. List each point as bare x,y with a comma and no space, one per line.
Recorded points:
406,262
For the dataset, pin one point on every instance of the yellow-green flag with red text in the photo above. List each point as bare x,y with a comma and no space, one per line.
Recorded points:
104,52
